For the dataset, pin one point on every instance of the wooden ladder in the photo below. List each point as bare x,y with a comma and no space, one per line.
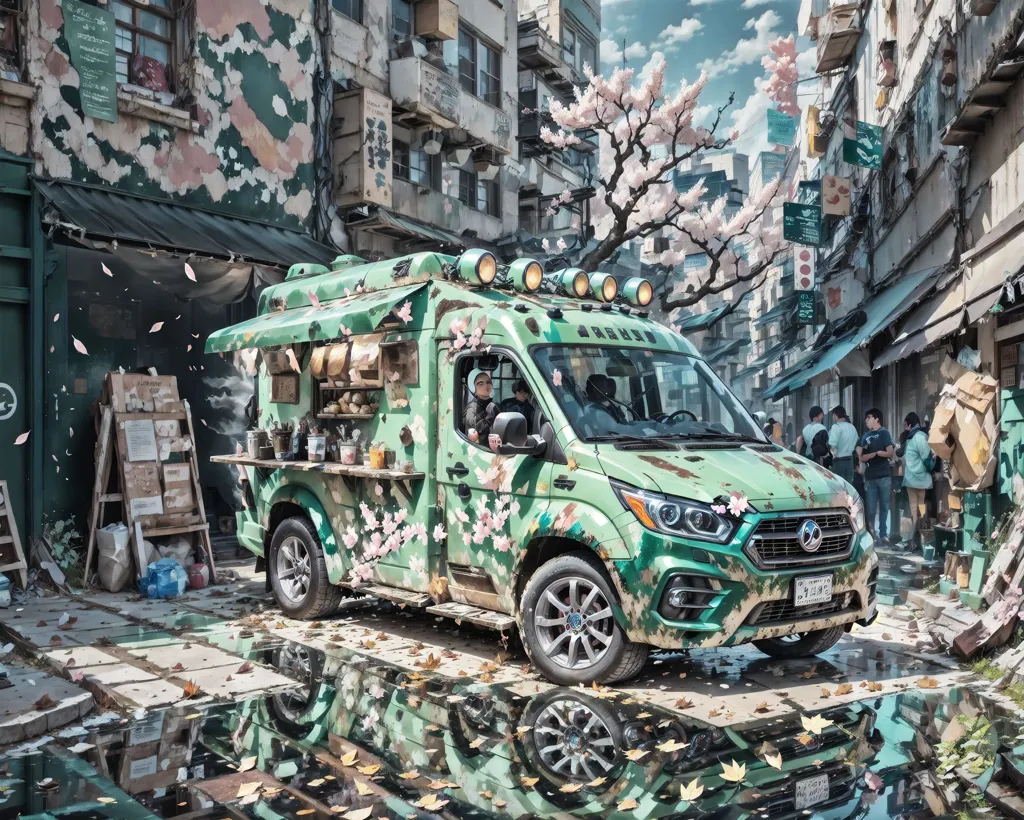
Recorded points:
100,496
10,541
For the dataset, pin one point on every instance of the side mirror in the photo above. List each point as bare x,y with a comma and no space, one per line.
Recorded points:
511,428
760,417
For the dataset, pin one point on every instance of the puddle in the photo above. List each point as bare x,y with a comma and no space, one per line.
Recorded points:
348,739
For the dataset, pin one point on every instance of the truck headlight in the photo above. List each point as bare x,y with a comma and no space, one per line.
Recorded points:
675,516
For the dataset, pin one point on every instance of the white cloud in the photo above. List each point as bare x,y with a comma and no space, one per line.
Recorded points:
636,51
611,53
806,61
656,57
750,120
750,4
680,33
701,114
703,2
746,51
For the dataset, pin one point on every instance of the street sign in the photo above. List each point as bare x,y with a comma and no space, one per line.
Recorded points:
781,128
805,308
803,270
809,192
801,223
772,165
836,195
866,149
90,35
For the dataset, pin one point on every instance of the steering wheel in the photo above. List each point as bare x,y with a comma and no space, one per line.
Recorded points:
680,412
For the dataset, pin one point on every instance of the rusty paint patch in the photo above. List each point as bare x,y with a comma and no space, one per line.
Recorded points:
448,305
668,466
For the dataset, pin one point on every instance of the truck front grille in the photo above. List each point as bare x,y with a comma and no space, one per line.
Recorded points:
777,612
775,544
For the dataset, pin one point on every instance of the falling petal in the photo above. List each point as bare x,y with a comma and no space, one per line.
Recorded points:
21,439
556,377
195,335
56,316
71,431
156,327
314,300
191,274
293,363
79,346
106,270
189,348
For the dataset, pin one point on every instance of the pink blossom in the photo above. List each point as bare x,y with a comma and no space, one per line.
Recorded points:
481,531
405,312
363,572
419,530
556,377
719,508
351,538
461,516
873,781
466,538
737,504
369,516
502,543
439,533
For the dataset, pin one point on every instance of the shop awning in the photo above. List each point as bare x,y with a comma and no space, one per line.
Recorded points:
404,227
158,224
880,311
773,353
725,347
702,321
360,313
785,307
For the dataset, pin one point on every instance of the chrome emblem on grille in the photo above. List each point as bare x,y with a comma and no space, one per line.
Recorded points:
810,535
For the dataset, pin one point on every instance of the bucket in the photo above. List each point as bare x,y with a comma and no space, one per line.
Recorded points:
316,446
253,440
347,453
282,446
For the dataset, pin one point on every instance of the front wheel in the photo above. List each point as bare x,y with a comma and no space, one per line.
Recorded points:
298,571
803,644
569,629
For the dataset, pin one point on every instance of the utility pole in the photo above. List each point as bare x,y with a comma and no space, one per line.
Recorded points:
623,52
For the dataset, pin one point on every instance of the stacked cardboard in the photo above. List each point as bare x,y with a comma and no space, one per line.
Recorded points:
964,431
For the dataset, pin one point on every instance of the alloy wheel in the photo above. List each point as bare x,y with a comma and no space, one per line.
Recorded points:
573,742
574,622
293,569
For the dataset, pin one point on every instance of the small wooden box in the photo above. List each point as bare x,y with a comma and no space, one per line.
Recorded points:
437,19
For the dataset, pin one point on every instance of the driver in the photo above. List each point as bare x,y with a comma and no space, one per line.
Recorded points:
520,402
480,409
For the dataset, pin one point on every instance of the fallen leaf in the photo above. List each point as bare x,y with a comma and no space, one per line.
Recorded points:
245,667
476,744
713,713
691,791
248,788
806,740
825,693
362,789
529,782
369,771
571,788
816,724
763,707
191,689
177,668
928,682
247,763
636,754
106,801
437,785
359,814
810,673
429,663
301,812
775,761
413,775
671,746
734,772
597,781
45,702
628,805
886,636
844,688
874,686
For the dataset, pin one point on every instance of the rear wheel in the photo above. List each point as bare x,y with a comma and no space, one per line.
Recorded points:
298,571
569,629
802,644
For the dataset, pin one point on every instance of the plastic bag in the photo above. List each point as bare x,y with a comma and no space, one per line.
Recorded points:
164,579
178,548
114,562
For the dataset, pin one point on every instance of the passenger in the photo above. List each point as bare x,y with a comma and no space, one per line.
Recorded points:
480,410
521,402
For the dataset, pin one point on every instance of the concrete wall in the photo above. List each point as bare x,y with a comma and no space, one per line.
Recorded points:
360,53
236,136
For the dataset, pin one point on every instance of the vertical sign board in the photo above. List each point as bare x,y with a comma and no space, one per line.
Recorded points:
781,128
363,149
90,35
803,270
801,223
772,165
866,149
805,308
376,120
835,193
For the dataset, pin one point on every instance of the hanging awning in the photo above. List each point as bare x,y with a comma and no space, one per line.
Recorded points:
702,321
359,313
786,307
396,226
884,308
773,353
725,347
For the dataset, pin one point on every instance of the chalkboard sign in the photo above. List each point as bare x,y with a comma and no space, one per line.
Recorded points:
801,223
90,35
805,307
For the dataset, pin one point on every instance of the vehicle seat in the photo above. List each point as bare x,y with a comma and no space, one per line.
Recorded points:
600,390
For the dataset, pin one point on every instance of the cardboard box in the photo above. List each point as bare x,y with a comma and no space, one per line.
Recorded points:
177,488
141,393
154,765
976,391
942,424
143,493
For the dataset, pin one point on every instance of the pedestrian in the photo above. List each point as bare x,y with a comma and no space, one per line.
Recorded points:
842,441
918,463
805,444
875,452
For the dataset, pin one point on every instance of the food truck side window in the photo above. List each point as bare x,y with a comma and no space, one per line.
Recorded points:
486,386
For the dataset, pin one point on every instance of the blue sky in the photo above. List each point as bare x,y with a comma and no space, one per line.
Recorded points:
727,38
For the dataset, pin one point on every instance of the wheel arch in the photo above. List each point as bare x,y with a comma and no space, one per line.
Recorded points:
290,500
548,547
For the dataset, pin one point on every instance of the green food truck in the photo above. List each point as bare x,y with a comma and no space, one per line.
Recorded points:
521,448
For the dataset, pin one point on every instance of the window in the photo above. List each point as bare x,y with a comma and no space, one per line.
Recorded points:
482,195
588,54
401,17
415,165
144,37
350,8
569,46
479,68
10,52
497,386
578,49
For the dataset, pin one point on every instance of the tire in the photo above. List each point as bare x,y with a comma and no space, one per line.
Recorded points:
315,598
567,661
802,646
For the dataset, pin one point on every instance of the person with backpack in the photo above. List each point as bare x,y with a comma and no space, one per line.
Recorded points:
813,441
918,464
875,452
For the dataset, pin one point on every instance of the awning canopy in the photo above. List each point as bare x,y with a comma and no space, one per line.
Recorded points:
723,348
880,311
157,224
397,226
776,351
702,321
786,306
359,313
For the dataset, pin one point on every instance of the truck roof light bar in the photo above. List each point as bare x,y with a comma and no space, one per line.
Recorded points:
604,286
477,267
525,275
638,291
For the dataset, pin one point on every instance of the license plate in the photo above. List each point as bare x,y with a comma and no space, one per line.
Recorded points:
811,792
815,589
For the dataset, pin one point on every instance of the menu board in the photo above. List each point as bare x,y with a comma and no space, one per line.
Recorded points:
90,35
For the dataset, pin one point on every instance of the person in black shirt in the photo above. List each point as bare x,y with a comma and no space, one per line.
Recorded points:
521,402
875,451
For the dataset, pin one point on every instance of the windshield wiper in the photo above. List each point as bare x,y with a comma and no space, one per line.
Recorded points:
720,435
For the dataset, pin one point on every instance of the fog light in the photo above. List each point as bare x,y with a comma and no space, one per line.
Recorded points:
526,275
678,598
604,286
686,597
638,291
478,267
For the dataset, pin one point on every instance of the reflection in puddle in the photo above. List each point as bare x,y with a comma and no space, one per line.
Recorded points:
361,739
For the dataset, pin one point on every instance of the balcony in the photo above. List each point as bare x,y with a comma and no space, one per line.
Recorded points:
536,47
427,91
838,32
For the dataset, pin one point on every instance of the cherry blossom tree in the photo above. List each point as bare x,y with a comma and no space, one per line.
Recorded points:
781,85
647,134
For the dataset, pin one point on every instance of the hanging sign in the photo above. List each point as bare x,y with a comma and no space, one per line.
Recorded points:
90,35
866,149
803,270
808,192
772,165
781,128
805,307
835,195
801,223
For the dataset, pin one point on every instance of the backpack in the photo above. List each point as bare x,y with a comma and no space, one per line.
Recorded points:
819,447
929,460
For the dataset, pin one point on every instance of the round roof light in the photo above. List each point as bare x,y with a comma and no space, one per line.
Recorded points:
478,267
638,291
604,286
526,275
575,282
